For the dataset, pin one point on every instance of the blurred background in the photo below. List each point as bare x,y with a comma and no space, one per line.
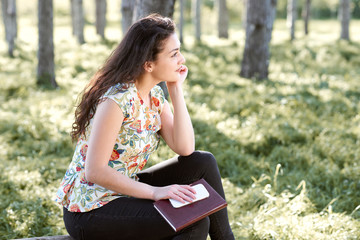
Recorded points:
273,91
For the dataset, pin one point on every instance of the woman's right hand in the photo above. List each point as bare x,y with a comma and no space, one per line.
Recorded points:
180,193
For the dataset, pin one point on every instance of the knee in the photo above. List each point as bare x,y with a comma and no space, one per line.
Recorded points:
198,230
203,155
203,226
205,158
201,160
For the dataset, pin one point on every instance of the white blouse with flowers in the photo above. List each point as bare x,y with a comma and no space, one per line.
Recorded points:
136,140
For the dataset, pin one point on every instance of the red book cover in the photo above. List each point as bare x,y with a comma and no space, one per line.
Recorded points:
179,218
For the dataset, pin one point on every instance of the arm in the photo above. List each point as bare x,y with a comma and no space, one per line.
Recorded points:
107,123
177,129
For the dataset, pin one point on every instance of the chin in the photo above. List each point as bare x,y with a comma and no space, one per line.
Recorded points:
172,80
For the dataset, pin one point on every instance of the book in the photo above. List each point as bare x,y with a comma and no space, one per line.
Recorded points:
181,217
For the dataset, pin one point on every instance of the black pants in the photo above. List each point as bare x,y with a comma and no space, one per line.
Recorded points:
133,218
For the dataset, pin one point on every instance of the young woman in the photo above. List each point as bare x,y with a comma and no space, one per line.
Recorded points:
105,192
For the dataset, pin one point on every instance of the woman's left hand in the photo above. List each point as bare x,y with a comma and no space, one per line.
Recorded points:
183,72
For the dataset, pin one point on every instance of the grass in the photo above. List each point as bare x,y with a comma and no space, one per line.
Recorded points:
287,147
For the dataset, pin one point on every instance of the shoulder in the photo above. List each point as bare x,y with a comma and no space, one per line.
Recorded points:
158,93
158,98
122,95
119,91
157,89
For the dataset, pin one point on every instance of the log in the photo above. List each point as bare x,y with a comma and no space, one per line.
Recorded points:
60,237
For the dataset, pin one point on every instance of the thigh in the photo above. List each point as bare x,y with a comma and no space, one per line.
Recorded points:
123,218
183,170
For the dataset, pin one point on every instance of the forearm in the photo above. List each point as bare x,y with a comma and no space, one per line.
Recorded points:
183,132
109,178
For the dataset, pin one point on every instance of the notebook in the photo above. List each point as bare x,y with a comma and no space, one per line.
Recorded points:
180,217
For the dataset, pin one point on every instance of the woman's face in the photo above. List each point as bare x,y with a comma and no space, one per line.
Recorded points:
169,61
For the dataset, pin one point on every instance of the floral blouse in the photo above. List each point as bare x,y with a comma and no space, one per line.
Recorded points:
136,140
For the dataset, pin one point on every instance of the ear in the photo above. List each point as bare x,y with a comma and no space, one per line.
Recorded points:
148,66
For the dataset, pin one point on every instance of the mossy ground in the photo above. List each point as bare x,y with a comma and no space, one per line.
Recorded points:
287,147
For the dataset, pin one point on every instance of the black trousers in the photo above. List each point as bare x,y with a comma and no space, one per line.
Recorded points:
133,218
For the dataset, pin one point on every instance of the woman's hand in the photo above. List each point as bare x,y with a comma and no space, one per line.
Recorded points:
180,193
183,72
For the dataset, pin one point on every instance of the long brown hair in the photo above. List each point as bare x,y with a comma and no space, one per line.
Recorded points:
142,42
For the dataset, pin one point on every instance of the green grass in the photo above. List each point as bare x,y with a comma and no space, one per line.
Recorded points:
287,147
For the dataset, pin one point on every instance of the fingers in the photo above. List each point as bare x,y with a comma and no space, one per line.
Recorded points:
183,72
182,193
183,69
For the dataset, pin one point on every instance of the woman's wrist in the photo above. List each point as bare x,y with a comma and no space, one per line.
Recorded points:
175,92
152,193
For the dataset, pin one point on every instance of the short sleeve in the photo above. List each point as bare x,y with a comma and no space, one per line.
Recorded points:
123,98
158,98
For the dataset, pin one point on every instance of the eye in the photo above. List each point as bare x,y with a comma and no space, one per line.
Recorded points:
175,54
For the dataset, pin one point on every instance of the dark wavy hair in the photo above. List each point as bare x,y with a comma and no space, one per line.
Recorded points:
142,42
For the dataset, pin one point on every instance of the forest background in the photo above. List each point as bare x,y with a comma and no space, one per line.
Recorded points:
287,147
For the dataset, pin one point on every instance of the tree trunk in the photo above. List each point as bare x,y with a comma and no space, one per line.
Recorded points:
145,7
356,9
270,20
259,25
45,70
244,14
306,16
78,21
181,22
100,17
223,19
291,17
10,23
196,16
344,14
127,10
165,8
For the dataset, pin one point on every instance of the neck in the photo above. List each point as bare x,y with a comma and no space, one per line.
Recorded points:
144,84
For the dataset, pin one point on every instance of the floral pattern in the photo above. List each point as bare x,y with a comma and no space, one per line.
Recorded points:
137,139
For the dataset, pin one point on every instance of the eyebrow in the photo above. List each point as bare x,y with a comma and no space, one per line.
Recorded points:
175,49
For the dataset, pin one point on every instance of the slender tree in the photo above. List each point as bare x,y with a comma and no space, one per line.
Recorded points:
45,69
143,8
127,10
223,19
196,16
10,23
306,16
181,22
270,20
291,17
356,9
244,14
345,15
78,21
100,13
259,25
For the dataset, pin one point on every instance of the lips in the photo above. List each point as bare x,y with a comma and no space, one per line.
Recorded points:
180,68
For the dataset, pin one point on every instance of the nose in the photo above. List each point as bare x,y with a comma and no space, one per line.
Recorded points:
181,59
